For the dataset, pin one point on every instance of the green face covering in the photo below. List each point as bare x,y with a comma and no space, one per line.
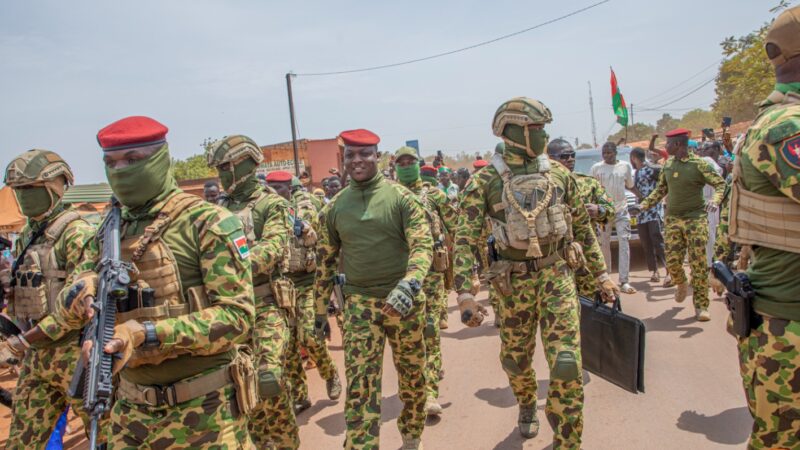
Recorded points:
408,174
538,141
240,171
34,201
142,181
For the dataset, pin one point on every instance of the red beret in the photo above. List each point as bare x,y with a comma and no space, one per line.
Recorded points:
359,138
480,163
279,176
131,132
428,170
678,132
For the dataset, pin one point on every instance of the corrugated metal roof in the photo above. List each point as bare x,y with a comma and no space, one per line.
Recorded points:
88,193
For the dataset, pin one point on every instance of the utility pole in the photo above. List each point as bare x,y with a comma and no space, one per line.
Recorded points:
632,121
294,128
591,109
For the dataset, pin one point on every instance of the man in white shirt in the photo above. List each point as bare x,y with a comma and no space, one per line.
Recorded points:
616,176
711,152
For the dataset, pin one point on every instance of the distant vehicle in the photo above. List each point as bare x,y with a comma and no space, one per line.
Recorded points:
585,159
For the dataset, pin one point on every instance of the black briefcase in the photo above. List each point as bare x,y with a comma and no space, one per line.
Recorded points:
612,344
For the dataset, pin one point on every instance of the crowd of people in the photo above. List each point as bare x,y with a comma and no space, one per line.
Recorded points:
224,294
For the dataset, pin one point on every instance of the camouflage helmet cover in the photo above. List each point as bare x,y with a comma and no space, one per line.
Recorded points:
36,166
231,149
522,111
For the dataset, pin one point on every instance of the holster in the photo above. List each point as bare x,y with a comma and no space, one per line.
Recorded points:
245,381
285,294
499,275
743,316
574,256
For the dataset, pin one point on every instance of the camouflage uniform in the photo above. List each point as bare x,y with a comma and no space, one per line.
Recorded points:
365,221
539,295
305,208
41,393
768,168
267,226
686,227
591,191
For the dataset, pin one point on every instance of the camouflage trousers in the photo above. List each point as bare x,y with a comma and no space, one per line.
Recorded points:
546,298
366,330
585,283
770,368
436,302
272,422
682,236
209,421
305,337
41,395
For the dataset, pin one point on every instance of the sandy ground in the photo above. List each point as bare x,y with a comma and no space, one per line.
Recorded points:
693,396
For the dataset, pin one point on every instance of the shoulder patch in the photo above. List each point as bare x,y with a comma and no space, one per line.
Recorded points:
790,152
240,243
783,131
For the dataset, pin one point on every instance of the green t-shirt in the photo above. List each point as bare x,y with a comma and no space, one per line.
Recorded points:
685,179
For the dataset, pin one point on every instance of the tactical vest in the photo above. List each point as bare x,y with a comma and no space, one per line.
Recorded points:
156,292
764,220
301,259
534,215
440,255
39,279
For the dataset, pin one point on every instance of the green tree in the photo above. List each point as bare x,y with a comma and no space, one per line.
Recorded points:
191,168
745,77
636,132
666,123
697,119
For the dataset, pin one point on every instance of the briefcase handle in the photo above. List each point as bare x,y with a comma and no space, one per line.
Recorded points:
616,306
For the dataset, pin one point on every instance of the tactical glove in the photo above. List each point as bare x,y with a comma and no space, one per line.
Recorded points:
127,337
402,296
608,289
12,350
80,297
321,327
472,313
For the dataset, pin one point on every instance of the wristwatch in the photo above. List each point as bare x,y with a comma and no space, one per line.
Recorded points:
150,335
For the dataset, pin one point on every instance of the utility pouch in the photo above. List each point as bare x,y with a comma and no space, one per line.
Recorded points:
499,275
285,295
30,290
576,260
555,215
441,260
742,314
243,375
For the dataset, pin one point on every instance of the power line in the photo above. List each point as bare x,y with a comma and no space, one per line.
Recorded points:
681,83
687,94
451,52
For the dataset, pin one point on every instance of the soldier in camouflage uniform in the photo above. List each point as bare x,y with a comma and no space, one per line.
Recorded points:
267,226
368,220
533,275
442,218
599,204
304,214
766,194
182,381
53,241
686,223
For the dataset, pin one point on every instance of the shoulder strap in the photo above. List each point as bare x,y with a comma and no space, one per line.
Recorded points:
21,256
173,208
500,165
57,228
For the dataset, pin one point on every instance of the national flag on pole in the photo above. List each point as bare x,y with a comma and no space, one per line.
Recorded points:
618,102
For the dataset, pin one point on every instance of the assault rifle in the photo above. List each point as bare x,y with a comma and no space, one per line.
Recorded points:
95,374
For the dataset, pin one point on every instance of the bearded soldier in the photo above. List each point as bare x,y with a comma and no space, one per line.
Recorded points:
49,252
442,218
189,304
302,267
598,204
541,230
265,216
765,195
385,242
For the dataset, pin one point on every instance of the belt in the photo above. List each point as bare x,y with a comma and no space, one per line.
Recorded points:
175,394
263,293
535,265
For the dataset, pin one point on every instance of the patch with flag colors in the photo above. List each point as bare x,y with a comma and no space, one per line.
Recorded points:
241,246
618,102
791,152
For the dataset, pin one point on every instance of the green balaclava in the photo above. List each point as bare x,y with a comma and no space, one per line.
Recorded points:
142,181
516,133
242,180
34,201
409,173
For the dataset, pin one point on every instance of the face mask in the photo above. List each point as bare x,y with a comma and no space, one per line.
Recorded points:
538,140
408,174
34,201
143,180
240,171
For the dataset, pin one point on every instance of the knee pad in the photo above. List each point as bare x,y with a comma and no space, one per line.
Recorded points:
566,366
510,366
268,385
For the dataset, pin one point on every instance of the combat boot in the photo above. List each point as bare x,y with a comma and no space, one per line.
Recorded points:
527,422
702,315
432,407
301,406
334,387
681,292
443,324
410,443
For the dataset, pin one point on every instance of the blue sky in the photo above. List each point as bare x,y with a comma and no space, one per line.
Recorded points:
209,68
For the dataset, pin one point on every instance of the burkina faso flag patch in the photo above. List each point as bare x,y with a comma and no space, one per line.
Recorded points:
241,246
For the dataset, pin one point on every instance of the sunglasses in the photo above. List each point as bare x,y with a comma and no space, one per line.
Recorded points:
567,155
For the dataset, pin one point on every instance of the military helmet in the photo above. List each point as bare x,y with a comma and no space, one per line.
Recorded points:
36,166
406,151
522,111
231,149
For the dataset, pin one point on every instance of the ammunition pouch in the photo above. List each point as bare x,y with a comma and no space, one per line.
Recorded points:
441,258
499,273
245,381
565,367
30,295
285,294
268,385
